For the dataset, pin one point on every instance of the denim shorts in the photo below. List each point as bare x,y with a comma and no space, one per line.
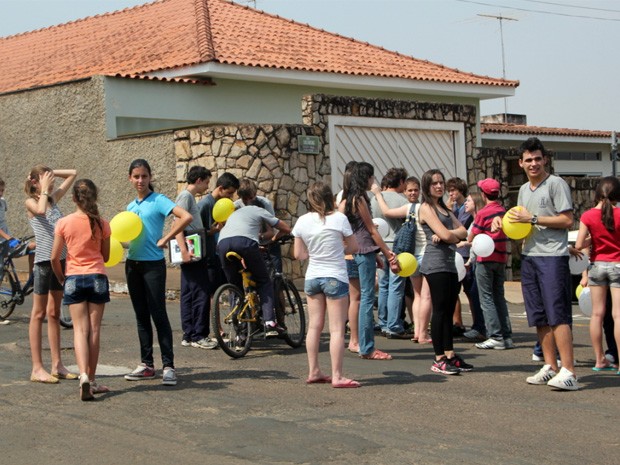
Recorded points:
331,287
417,270
45,279
352,270
93,288
604,274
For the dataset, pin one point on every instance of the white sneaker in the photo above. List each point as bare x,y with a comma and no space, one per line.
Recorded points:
170,377
491,344
186,343
542,376
508,343
205,343
564,380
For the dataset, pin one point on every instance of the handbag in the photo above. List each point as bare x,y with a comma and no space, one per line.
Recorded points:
404,240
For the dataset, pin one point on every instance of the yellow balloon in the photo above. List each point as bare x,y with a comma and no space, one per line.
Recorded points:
408,264
116,253
515,231
126,226
222,209
578,290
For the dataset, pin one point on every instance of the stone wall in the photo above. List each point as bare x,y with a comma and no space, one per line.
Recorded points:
268,153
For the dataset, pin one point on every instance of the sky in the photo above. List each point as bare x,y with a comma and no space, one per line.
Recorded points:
563,52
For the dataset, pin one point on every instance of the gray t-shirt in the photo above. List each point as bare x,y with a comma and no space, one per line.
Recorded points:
259,201
393,200
550,198
3,210
187,201
247,222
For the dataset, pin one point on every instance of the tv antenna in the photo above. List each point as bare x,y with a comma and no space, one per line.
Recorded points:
501,20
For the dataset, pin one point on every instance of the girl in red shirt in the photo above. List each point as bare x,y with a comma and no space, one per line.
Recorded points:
602,223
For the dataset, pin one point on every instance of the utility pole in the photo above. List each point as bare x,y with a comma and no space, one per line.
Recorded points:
501,20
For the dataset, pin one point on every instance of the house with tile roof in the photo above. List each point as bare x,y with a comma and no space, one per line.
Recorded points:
212,82
575,152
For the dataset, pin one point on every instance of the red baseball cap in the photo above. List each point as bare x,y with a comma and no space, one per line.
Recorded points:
489,186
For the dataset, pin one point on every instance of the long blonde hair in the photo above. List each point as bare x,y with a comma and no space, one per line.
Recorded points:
35,174
320,199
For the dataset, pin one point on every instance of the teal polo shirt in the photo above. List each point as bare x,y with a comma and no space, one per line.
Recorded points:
152,210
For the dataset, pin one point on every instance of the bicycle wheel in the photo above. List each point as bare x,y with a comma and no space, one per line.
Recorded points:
65,317
233,336
7,289
290,312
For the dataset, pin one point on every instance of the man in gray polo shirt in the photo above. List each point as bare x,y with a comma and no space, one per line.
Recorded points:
545,276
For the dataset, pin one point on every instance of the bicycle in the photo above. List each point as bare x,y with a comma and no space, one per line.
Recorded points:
236,316
12,292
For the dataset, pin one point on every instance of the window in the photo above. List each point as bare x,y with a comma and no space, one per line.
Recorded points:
578,156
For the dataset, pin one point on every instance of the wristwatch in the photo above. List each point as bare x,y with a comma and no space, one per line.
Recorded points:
534,219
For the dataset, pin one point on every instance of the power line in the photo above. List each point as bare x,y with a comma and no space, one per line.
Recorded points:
539,11
573,6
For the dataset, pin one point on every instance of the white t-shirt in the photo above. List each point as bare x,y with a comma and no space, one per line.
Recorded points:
324,241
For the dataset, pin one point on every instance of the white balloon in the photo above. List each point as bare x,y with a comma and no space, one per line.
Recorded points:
382,226
578,265
483,245
460,266
585,302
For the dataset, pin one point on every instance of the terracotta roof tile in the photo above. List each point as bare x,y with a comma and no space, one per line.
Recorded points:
521,129
169,34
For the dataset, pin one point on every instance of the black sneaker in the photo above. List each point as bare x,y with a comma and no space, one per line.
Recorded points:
460,364
444,367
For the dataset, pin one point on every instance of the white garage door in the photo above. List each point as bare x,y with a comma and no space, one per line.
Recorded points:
416,146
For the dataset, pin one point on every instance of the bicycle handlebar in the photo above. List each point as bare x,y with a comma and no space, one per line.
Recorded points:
22,248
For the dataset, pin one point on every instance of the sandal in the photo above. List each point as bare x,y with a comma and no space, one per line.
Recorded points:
98,388
50,380
347,384
320,380
377,355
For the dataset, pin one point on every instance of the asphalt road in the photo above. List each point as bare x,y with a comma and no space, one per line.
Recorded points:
259,410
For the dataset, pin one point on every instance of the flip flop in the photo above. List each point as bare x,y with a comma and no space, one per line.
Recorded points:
347,384
320,380
377,355
50,380
98,388
607,368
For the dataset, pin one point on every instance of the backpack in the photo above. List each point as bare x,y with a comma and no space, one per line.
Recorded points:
404,241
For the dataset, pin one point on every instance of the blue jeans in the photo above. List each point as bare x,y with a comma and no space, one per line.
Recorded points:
367,267
470,286
391,295
195,300
490,278
254,262
146,281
